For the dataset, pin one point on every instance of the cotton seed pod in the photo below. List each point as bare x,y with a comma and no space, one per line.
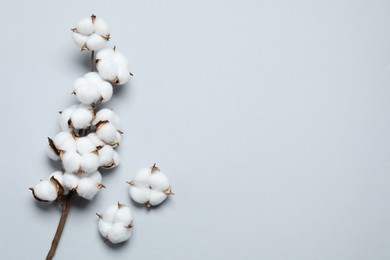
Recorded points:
47,190
86,185
107,132
71,161
85,145
112,66
82,116
65,117
106,114
89,162
150,186
96,140
91,33
106,155
91,89
59,175
115,223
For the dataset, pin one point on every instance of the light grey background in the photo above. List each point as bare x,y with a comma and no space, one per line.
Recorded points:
271,119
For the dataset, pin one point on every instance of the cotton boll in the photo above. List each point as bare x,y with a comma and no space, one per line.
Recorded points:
107,133
117,159
59,177
87,94
106,114
142,177
70,180
96,42
82,117
159,181
45,191
109,214
96,177
61,137
107,53
156,197
90,162
85,26
140,195
71,161
150,186
101,26
105,89
79,39
106,155
123,75
85,145
115,223
87,188
120,59
51,153
123,215
104,228
68,145
118,233
96,140
65,117
112,66
108,69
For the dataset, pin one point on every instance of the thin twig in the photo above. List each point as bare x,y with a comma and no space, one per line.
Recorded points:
65,205
92,60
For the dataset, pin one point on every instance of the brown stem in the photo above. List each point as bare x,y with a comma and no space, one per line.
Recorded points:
65,205
92,60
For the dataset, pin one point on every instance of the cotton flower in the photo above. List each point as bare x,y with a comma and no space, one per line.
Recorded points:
86,185
150,187
112,66
115,223
62,142
91,33
91,89
108,157
47,190
77,117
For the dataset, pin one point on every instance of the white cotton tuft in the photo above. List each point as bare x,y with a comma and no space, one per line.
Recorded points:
159,181
142,177
107,133
70,180
105,91
89,162
156,197
96,140
106,114
82,117
65,117
85,145
91,89
150,186
106,155
87,31
96,42
140,195
45,190
112,66
51,153
85,26
115,223
59,177
118,233
87,188
71,161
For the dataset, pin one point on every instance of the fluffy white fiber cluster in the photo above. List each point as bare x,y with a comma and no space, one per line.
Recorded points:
115,223
91,89
112,66
88,135
91,33
150,186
